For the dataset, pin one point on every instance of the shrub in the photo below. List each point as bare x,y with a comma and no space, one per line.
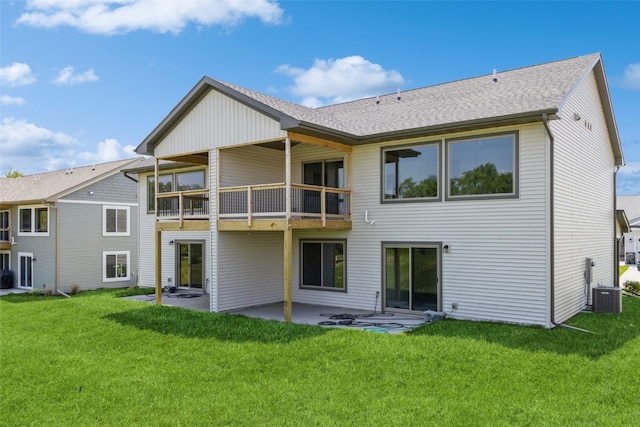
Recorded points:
632,286
48,292
75,288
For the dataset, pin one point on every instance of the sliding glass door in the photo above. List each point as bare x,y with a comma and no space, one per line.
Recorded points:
411,274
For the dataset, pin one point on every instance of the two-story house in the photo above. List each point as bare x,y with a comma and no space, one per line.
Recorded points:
489,198
70,227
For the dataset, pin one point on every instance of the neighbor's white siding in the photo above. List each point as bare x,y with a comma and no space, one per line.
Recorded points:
583,199
217,121
146,245
146,248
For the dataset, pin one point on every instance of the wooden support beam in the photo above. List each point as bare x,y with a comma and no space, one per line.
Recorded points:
287,257
319,141
158,267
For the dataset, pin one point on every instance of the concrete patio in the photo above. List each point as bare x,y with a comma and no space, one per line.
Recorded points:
337,317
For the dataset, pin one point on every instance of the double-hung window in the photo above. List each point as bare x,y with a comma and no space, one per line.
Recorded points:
323,264
115,221
411,172
115,266
34,220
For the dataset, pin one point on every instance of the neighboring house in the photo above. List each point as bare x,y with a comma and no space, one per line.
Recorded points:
490,198
70,227
630,244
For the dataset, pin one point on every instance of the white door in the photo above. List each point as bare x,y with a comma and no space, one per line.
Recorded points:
25,270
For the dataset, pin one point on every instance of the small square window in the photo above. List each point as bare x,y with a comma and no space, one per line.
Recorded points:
323,265
115,266
115,221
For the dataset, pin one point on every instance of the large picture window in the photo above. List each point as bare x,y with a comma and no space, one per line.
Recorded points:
115,221
411,172
115,266
34,221
483,167
179,181
323,264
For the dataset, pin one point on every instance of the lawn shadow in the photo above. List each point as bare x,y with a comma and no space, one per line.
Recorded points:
607,332
223,327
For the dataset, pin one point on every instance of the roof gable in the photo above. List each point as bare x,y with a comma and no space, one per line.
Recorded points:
50,186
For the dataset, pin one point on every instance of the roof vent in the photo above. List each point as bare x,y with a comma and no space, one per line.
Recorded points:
398,94
495,76
377,99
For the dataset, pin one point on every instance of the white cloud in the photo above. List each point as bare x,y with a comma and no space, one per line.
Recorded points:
11,100
107,151
17,74
162,16
28,148
340,80
628,179
632,77
67,77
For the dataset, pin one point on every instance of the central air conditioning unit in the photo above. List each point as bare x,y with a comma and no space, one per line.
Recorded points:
607,299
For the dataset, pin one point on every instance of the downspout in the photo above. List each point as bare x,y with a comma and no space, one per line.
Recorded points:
130,177
616,246
545,121
552,290
56,261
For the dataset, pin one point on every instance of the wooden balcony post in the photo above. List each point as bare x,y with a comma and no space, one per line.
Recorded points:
323,206
156,187
288,234
288,244
249,205
287,178
158,266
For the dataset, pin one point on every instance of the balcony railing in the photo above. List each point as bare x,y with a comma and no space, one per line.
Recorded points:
181,205
269,201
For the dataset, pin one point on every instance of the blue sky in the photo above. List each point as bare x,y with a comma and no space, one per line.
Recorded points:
85,81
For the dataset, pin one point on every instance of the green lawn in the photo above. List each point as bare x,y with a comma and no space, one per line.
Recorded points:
95,359
622,269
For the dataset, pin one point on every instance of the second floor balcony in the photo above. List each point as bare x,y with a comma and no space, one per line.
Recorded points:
308,207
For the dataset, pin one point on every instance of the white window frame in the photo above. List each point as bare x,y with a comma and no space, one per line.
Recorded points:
106,233
126,278
26,255
33,231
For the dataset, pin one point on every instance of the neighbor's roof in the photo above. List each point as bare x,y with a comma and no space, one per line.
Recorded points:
631,207
518,96
50,186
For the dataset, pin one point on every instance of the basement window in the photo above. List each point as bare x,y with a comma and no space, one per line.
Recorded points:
323,265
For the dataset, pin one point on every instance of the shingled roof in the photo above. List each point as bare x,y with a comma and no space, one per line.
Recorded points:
50,186
516,96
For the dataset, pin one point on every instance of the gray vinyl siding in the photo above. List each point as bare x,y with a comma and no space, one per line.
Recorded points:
116,188
583,199
42,248
250,269
217,121
81,245
214,234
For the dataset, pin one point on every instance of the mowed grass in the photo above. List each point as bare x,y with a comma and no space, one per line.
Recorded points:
102,360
